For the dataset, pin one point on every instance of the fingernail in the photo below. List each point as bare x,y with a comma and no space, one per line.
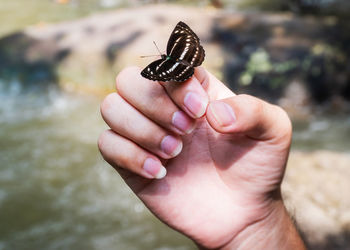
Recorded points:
195,104
223,113
171,145
154,168
182,122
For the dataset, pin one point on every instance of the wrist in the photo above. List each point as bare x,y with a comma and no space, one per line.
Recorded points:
275,231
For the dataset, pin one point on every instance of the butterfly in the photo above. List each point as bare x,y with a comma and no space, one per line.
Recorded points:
183,53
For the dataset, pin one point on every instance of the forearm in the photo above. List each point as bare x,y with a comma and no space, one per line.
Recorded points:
276,231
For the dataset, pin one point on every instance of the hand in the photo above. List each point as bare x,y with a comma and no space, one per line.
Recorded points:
224,154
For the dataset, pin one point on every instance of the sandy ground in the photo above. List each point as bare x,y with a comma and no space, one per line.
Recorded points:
317,194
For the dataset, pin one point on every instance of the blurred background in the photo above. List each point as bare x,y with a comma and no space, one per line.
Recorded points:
59,58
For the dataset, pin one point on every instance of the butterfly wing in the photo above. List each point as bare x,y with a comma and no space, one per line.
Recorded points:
184,45
153,71
184,52
182,72
167,70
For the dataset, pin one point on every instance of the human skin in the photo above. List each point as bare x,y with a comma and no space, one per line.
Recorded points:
225,157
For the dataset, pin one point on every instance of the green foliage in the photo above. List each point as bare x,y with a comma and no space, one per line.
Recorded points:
263,4
260,63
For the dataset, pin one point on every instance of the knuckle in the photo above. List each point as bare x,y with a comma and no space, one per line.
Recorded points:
121,78
287,124
126,160
106,145
107,103
256,105
202,76
284,123
102,140
121,161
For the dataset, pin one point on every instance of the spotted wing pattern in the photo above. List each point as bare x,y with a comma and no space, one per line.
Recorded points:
166,70
184,52
184,45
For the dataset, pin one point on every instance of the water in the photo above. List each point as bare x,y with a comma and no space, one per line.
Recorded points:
330,132
56,192
18,14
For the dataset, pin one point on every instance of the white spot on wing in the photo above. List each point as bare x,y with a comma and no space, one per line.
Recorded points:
183,53
160,65
176,42
173,67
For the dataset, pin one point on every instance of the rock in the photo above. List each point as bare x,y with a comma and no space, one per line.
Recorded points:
296,100
87,54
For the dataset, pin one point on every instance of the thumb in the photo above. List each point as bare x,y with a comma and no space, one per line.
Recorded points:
250,116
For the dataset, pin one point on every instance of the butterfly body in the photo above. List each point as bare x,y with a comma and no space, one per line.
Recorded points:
184,52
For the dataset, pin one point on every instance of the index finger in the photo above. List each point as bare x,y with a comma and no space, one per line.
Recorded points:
190,95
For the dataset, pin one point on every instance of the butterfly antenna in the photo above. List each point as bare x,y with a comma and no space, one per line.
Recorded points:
160,53
148,56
